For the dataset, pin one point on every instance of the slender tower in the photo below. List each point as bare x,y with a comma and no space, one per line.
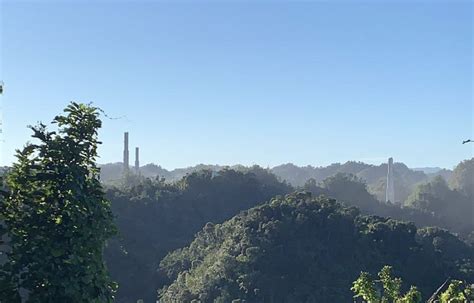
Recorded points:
137,160
125,152
390,193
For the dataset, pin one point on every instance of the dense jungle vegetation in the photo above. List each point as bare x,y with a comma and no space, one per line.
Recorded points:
298,248
156,217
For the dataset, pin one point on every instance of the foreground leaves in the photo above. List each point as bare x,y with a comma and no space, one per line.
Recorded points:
387,289
56,215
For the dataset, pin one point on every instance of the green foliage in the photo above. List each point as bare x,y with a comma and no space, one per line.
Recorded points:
364,287
8,289
385,290
457,292
56,214
432,196
391,286
462,178
431,204
349,189
301,249
156,217
452,207
374,176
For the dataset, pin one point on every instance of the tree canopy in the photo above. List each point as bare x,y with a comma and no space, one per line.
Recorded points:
156,217
57,216
297,248
462,178
454,207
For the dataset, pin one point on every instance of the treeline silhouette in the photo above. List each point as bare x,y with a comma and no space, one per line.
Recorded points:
405,179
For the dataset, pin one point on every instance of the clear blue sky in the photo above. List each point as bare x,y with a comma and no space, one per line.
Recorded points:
228,82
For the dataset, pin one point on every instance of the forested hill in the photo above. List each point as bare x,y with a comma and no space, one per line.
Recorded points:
111,173
302,249
156,217
373,175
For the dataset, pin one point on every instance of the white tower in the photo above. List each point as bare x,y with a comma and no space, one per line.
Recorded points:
390,193
137,160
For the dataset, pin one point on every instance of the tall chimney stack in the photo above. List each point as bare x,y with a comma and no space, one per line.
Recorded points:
390,193
137,160
125,152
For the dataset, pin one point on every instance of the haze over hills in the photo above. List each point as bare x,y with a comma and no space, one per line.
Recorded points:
428,170
374,176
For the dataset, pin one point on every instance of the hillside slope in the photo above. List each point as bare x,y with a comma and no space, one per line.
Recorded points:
302,249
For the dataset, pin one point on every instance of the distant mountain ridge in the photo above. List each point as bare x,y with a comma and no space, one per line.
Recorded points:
111,172
428,170
374,175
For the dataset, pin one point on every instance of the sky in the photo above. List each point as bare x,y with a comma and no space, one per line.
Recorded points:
249,82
